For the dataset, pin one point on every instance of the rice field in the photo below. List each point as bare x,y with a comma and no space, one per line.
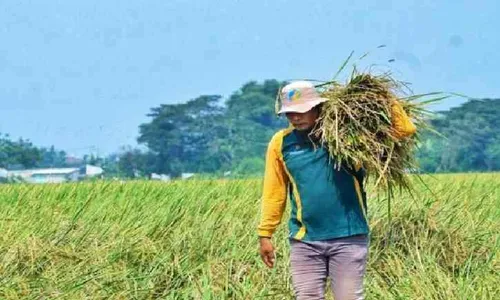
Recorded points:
197,240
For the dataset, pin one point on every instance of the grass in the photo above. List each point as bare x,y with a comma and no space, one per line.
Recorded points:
196,240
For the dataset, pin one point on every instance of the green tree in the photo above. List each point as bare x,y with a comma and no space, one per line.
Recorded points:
471,140
251,120
205,135
18,154
183,136
51,158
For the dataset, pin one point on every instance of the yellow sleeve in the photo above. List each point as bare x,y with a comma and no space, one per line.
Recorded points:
274,193
401,124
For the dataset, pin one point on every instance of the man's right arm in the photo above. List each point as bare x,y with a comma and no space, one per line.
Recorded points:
273,198
274,193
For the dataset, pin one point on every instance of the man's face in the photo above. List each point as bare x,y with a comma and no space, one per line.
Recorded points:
303,121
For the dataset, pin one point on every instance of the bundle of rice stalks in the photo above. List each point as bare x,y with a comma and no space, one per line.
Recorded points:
357,127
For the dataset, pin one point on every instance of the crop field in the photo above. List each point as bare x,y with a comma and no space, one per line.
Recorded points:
196,239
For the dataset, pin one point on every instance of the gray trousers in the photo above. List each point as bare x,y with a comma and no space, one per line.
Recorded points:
342,259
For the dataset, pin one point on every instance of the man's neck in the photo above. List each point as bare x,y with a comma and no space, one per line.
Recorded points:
306,134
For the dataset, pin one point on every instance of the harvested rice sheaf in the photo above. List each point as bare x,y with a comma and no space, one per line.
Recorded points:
355,125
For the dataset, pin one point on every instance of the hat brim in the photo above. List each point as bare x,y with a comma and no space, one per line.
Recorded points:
302,107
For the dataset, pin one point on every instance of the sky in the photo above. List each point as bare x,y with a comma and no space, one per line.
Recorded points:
83,74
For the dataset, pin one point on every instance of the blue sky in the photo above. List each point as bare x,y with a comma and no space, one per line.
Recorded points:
83,74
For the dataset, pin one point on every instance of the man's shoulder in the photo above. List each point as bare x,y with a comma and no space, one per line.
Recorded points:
277,139
280,134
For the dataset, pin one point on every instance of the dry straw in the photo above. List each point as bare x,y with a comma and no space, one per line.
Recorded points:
355,126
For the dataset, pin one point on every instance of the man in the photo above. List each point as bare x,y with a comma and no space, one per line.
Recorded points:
328,228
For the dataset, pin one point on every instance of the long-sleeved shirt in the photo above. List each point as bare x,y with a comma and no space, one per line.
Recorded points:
326,202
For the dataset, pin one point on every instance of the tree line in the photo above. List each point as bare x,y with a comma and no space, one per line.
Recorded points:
210,135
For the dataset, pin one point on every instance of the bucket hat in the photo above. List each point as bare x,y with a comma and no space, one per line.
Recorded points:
299,96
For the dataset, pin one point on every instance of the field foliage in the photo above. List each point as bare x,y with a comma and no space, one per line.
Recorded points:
197,240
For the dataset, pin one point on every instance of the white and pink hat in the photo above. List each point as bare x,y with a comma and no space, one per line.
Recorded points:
299,96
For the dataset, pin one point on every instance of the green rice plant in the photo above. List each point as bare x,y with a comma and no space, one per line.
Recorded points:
197,240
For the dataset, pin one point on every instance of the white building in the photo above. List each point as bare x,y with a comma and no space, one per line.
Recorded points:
161,177
53,175
187,175
3,173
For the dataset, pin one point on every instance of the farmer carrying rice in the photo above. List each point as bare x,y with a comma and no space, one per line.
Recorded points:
328,226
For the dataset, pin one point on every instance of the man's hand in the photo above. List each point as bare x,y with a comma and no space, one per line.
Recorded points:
267,251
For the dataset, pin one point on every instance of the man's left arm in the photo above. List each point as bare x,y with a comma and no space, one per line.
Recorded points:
402,125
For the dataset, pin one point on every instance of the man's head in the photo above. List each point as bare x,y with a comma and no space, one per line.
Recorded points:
299,101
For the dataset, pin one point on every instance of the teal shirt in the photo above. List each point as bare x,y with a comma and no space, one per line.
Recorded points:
328,203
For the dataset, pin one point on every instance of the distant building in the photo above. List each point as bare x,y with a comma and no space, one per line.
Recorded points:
73,161
53,175
161,177
164,177
3,173
187,175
